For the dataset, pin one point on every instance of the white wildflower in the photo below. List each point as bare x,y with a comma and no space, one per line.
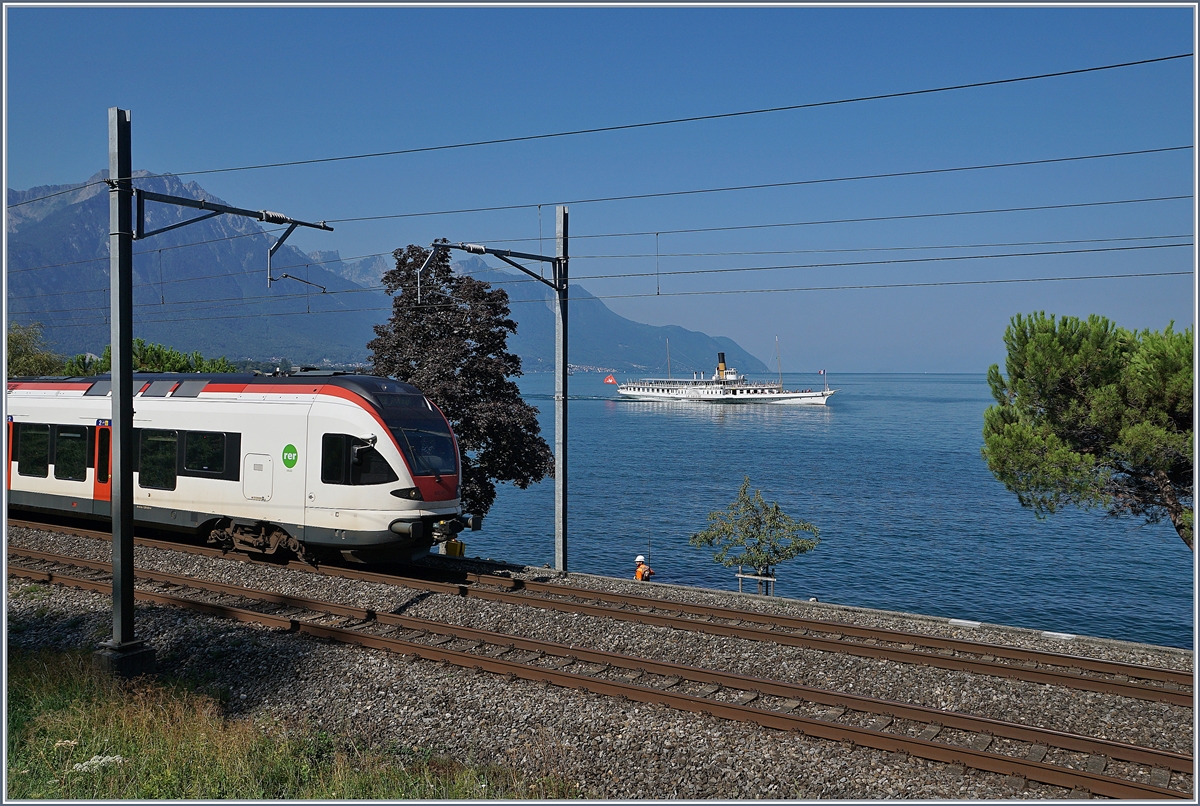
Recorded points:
97,761
65,743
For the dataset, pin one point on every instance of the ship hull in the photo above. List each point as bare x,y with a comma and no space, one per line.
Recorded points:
684,395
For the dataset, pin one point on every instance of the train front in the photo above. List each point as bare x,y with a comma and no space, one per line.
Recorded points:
402,486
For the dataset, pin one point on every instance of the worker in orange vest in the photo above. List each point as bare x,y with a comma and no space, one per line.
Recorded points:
644,571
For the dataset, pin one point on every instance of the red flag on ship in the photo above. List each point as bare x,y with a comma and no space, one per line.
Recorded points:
610,379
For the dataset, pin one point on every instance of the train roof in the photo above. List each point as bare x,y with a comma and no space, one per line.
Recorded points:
191,384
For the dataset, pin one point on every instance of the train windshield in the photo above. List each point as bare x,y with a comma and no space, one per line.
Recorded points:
421,432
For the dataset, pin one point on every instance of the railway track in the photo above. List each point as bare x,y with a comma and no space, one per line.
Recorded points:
1098,766
1036,666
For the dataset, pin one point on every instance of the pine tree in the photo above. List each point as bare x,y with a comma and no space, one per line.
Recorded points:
453,347
1094,416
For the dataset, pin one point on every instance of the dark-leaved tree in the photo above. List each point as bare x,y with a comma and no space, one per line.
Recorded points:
453,346
1095,416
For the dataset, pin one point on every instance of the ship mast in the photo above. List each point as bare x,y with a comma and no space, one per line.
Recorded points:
779,360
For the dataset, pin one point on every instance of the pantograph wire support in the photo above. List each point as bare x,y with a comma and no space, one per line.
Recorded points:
213,209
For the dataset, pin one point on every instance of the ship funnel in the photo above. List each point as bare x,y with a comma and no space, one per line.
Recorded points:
721,365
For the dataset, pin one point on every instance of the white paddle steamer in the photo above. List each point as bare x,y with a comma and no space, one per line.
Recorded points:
725,386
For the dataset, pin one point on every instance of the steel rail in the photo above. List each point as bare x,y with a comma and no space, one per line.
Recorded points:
901,654
897,636
978,759
977,724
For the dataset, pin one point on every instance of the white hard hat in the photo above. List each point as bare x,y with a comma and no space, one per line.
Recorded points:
639,559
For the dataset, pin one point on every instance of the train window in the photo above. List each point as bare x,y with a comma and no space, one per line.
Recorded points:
349,460
204,451
103,440
158,455
70,452
33,451
421,432
189,388
333,459
159,388
367,466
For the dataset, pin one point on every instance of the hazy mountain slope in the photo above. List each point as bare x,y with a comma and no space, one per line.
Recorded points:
203,287
600,338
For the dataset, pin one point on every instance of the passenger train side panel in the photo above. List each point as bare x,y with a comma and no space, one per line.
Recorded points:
210,440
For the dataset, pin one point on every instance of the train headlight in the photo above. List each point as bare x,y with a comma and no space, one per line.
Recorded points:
411,493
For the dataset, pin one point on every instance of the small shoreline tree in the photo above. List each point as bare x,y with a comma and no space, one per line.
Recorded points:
752,532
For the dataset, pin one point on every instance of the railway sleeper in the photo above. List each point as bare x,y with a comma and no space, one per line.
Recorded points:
980,741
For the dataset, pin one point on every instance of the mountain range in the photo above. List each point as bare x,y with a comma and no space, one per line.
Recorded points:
204,287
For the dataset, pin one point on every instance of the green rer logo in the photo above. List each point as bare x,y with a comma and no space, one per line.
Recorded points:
290,455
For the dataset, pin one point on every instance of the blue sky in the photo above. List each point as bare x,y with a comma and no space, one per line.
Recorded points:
223,87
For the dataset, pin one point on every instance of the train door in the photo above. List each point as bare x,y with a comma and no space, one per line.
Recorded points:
257,473
102,485
8,465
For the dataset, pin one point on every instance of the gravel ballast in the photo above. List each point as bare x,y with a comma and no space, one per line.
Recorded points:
608,748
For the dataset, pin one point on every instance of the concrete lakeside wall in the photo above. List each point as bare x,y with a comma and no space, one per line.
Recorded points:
965,626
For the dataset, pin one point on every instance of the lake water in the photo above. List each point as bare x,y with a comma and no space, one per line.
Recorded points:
890,471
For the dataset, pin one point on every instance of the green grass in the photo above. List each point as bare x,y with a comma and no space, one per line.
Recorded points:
176,743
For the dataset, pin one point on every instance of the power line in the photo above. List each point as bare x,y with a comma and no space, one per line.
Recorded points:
377,309
150,251
230,301
893,261
84,186
900,217
903,285
645,124
694,118
767,185
867,219
876,248
201,278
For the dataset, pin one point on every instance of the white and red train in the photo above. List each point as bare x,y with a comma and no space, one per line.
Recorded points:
313,461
